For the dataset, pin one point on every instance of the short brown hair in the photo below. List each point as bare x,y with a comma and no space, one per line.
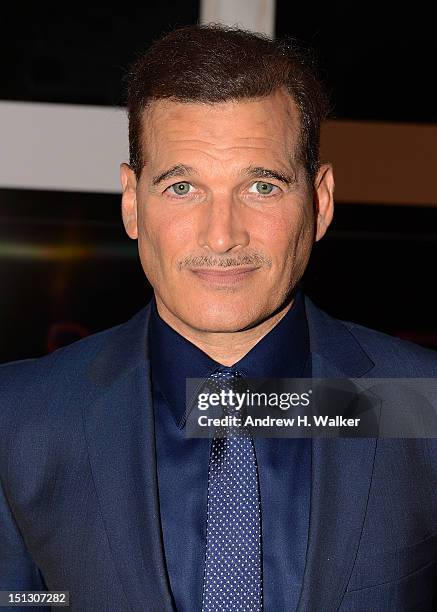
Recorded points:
215,63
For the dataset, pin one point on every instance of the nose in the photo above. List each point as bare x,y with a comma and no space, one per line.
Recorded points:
222,227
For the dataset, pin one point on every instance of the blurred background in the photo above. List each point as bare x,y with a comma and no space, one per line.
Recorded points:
66,267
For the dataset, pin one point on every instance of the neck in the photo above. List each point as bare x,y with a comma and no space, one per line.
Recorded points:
224,347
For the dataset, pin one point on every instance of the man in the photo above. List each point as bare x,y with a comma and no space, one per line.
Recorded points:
104,494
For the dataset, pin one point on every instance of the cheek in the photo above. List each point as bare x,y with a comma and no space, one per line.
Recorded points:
301,241
163,234
289,235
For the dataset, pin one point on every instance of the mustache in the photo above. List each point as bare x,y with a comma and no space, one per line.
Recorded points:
207,261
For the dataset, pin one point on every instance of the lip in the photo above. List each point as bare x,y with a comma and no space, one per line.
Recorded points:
229,276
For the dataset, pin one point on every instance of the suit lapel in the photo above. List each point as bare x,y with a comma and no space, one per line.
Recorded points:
119,429
341,475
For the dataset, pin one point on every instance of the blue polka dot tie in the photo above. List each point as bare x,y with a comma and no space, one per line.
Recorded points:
233,563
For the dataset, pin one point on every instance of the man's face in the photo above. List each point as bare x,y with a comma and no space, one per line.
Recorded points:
223,213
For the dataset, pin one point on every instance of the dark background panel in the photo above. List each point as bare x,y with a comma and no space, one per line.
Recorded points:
67,269
64,54
377,58
376,267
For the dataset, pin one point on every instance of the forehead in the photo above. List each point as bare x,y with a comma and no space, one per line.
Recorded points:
268,125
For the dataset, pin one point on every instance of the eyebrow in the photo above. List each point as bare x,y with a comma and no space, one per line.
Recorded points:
259,171
180,170
174,171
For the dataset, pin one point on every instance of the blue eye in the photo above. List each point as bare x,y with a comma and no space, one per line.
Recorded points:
262,188
181,188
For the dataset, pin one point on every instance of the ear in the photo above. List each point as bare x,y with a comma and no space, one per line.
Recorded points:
129,200
324,199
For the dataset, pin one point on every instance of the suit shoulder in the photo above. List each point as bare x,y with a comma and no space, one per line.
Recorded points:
394,353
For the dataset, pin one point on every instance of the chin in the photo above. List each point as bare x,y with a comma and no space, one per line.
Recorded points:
224,316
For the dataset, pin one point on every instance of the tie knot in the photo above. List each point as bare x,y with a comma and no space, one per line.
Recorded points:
228,384
226,379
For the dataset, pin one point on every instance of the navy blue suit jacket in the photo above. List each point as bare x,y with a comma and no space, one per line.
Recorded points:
79,506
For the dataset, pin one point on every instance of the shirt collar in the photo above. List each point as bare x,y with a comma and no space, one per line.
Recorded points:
282,353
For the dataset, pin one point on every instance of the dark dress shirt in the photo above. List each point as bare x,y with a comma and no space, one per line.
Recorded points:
284,465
